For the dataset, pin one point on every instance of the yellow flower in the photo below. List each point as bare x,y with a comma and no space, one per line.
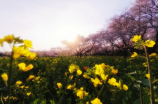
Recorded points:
59,85
71,76
80,93
147,75
29,67
99,69
28,44
86,76
104,77
136,38
37,78
69,87
28,94
9,38
113,71
26,87
149,43
112,82
1,42
79,72
153,54
22,66
4,77
30,77
31,56
96,101
96,81
125,87
71,68
18,83
134,54
87,102
22,87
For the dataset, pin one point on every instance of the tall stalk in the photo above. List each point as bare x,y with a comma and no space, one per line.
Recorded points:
152,99
10,77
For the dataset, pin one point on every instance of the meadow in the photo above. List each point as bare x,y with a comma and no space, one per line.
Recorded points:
30,79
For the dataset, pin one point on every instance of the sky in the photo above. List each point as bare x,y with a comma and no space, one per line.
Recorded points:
47,22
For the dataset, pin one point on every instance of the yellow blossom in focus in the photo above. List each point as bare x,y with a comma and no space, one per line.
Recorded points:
96,81
149,43
147,75
96,101
22,66
4,77
113,71
9,38
79,72
28,44
125,87
30,77
18,83
31,56
59,85
153,54
134,54
28,94
136,38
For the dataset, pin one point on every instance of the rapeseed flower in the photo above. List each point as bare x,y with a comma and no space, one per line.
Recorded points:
149,43
113,71
18,83
79,72
104,77
125,87
96,81
96,101
1,42
72,68
134,54
29,67
136,38
22,66
30,77
59,85
153,54
69,87
80,93
99,69
28,94
112,81
147,75
4,77
27,44
9,38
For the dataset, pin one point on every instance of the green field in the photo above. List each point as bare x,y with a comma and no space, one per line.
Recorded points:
48,71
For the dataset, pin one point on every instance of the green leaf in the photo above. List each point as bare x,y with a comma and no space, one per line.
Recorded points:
52,102
36,101
146,100
144,82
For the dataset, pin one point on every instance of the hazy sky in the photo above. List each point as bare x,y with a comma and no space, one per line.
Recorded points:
47,22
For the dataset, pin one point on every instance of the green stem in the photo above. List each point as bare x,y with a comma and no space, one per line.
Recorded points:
101,90
10,77
152,100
